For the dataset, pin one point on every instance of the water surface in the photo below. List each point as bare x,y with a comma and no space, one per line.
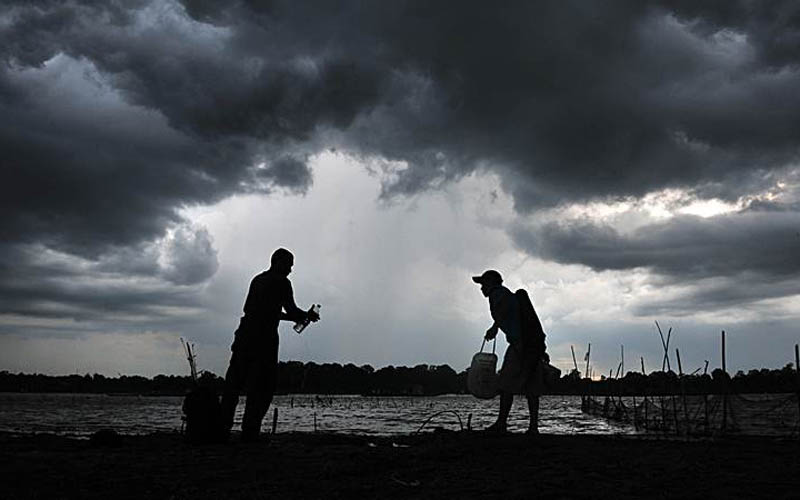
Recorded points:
83,414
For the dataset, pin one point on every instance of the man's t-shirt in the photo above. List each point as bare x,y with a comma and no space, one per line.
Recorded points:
269,294
504,307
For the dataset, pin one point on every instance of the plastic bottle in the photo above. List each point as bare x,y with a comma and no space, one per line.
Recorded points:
301,325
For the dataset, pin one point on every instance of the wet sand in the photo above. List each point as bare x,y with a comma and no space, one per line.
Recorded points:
431,465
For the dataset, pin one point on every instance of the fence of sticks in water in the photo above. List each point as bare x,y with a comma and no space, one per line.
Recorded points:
702,415
685,414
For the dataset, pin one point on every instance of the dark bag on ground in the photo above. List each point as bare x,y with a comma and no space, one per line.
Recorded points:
202,414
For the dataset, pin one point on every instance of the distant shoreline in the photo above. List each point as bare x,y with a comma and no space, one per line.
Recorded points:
331,379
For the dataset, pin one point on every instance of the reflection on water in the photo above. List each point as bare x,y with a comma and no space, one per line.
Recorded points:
83,414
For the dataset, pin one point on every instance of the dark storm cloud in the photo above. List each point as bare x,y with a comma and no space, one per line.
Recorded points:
146,280
683,246
35,284
726,260
746,289
115,115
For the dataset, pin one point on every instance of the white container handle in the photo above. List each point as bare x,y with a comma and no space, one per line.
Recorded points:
494,344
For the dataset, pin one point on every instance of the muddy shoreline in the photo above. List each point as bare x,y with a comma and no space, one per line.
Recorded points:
437,464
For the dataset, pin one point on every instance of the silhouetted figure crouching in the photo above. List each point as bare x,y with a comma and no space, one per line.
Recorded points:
254,358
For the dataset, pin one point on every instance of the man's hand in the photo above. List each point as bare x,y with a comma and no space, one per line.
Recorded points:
491,333
313,316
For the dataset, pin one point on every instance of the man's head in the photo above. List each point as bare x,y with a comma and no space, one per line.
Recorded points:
282,261
488,280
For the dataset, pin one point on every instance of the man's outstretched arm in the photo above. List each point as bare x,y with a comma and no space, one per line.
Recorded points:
290,310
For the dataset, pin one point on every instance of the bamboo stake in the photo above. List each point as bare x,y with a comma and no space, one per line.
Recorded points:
675,416
797,359
665,345
725,389
274,419
574,361
797,369
643,372
724,369
683,391
588,358
666,349
622,359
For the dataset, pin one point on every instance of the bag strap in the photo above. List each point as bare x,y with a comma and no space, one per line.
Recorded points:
494,344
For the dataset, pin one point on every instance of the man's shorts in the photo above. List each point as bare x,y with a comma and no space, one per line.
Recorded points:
520,375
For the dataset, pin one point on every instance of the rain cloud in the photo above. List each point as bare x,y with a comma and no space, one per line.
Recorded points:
117,115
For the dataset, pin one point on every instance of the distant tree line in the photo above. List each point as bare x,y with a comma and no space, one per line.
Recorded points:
763,380
295,377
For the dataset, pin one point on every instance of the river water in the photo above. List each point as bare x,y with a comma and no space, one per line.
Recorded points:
83,414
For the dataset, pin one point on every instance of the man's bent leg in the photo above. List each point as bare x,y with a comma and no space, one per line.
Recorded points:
234,380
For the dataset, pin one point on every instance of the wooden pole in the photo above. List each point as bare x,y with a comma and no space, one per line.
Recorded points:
724,369
675,416
665,345
725,389
643,372
622,360
797,369
588,358
274,419
797,359
666,349
574,361
683,391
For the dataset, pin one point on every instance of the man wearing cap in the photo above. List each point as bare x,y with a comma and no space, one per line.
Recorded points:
254,360
521,371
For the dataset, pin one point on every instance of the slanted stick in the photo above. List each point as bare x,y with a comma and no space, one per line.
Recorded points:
574,361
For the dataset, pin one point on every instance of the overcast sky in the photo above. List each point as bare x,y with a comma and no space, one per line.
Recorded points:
625,162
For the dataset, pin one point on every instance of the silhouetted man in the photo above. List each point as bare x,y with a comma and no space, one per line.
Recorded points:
254,360
521,371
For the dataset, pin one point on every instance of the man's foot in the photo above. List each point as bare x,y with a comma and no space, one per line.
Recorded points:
496,428
532,431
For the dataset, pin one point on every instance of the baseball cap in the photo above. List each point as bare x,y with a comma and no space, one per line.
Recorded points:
490,277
